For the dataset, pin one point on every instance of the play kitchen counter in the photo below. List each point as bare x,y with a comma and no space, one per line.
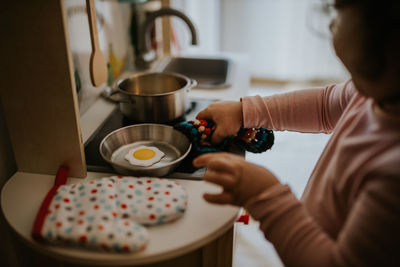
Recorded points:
202,237
46,130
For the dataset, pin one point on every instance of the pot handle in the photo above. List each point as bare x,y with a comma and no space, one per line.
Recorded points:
115,96
193,83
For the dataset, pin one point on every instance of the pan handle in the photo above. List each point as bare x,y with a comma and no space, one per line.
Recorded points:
193,83
115,96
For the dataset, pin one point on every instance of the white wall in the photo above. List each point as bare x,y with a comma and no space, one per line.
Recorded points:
113,21
205,16
275,34
278,38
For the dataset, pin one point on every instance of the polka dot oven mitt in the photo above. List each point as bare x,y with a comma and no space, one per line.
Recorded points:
109,213
256,140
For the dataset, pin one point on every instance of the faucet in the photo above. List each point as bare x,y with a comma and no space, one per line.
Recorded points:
142,58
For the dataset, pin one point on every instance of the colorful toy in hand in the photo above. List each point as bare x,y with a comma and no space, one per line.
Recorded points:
255,140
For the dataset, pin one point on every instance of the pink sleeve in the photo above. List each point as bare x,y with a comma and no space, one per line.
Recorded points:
369,236
311,110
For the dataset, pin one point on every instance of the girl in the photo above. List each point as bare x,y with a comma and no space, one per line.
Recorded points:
349,213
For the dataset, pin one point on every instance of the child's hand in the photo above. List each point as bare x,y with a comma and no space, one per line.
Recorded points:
241,180
227,116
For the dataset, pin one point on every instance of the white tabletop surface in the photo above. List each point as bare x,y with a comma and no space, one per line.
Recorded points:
202,222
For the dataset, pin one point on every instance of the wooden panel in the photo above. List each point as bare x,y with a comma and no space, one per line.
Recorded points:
219,253
7,161
166,30
38,90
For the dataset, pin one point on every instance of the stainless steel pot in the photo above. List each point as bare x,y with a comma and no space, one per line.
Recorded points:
153,96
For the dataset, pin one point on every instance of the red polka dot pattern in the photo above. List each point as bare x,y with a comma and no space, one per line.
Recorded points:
110,213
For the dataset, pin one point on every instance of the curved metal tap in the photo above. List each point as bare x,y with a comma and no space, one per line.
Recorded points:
144,40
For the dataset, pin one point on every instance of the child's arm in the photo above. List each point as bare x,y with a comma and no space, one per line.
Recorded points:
369,236
311,110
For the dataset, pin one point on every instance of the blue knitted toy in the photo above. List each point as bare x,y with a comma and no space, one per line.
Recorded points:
256,140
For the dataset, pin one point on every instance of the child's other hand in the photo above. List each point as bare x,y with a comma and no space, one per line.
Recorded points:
227,116
240,179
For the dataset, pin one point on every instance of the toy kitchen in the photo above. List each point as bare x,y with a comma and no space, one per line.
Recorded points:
84,80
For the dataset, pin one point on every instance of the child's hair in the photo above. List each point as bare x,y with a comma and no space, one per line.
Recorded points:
381,21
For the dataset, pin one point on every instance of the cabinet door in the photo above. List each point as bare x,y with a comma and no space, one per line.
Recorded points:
38,90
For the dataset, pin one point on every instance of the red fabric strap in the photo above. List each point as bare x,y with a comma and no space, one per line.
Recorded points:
61,179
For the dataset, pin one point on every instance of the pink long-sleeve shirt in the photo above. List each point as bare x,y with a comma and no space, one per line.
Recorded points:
349,214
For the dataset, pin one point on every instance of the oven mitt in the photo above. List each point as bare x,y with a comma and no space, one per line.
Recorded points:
256,140
108,213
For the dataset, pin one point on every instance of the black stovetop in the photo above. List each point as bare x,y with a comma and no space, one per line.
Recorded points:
116,120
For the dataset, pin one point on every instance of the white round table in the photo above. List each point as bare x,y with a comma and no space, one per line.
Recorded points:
202,222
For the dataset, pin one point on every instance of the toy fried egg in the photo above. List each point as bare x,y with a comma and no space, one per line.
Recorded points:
144,156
